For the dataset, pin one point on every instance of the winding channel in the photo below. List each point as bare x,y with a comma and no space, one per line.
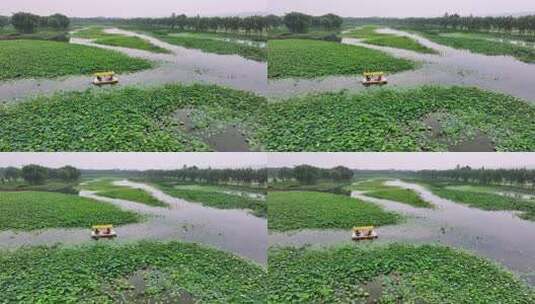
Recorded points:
232,230
499,235
183,65
451,66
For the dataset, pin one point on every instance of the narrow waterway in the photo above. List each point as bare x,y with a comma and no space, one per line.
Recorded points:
182,65
499,235
451,66
233,230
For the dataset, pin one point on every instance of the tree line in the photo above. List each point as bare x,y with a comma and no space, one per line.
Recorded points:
301,23
36,175
522,177
28,23
209,175
505,24
247,25
310,175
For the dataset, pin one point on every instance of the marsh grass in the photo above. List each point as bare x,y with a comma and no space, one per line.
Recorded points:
370,36
377,189
105,187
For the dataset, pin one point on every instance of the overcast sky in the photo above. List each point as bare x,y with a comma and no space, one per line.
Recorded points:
404,161
140,161
401,8
132,8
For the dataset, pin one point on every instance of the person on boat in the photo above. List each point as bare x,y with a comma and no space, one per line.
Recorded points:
108,230
368,78
99,78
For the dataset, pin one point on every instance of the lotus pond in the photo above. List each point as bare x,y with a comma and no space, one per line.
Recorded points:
390,274
296,210
48,59
32,210
143,272
299,58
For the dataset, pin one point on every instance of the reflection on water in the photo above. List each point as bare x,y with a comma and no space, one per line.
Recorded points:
450,67
183,65
235,230
499,235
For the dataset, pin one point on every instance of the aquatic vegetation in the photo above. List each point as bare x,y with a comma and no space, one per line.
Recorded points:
488,201
484,46
370,36
378,189
48,186
391,120
296,210
301,58
216,46
126,119
390,274
131,42
31,210
93,32
151,272
105,187
46,59
215,198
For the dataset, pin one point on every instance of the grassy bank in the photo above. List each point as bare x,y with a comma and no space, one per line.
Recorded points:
370,36
214,197
315,210
478,44
378,189
48,59
106,188
211,45
148,272
127,119
48,186
393,120
310,58
488,201
321,186
98,36
37,210
391,274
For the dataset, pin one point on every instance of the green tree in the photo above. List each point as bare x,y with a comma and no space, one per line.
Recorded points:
58,21
34,174
25,22
297,22
306,174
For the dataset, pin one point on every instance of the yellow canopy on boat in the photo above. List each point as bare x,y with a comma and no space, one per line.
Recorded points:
99,227
364,228
374,74
103,74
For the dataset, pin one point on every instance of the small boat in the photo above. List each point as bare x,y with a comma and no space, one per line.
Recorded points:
364,233
375,78
105,78
103,231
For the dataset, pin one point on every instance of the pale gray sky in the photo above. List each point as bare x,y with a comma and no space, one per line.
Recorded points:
403,161
401,8
132,8
140,161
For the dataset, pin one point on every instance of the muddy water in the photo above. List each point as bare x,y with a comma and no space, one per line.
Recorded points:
499,235
235,231
183,65
450,67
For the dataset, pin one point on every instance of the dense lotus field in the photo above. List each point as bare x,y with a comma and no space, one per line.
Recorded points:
48,59
390,274
127,119
295,210
300,58
392,120
370,36
33,210
144,272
